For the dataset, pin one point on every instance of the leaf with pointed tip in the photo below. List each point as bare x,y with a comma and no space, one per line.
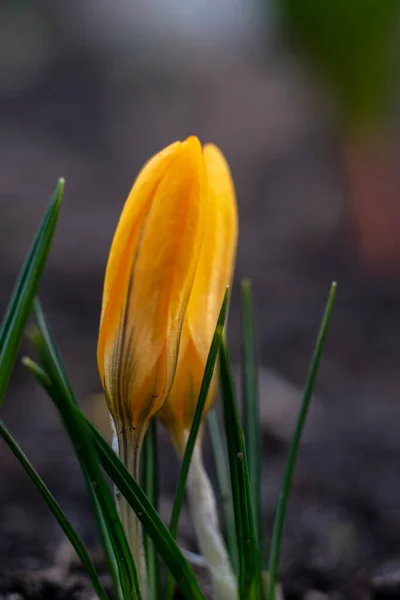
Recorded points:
20,305
276,539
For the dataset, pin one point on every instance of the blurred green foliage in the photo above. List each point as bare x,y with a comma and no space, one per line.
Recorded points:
351,45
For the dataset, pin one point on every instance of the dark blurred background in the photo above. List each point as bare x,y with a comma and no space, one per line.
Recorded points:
90,90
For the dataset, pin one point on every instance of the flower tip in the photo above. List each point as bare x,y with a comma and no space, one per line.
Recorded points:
192,141
217,167
212,151
189,161
192,148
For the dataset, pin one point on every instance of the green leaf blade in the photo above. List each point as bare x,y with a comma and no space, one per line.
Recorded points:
251,407
151,489
55,508
277,532
249,572
25,289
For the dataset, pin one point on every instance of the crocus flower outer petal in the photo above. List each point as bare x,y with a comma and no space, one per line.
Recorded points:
149,277
214,273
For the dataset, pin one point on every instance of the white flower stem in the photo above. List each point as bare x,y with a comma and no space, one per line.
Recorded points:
205,520
128,446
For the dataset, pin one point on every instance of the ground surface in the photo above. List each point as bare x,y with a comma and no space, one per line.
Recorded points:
342,537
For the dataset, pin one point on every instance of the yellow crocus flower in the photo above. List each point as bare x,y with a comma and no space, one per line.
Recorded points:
149,277
170,261
214,273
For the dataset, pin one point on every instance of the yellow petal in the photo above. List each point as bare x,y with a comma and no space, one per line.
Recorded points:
125,240
214,273
149,277
218,252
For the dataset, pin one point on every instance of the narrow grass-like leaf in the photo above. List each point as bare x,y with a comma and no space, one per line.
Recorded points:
151,521
43,378
249,576
251,408
194,430
55,508
112,535
150,487
224,484
20,305
276,540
